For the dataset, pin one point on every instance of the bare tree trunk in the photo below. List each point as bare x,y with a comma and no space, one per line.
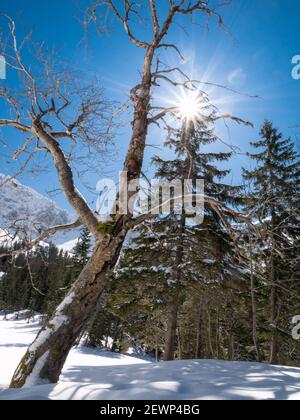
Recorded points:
253,302
218,336
106,342
273,299
180,345
156,350
274,337
231,347
45,358
209,333
254,319
198,335
115,338
170,344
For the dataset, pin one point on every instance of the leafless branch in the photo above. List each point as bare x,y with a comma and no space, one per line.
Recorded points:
46,100
42,236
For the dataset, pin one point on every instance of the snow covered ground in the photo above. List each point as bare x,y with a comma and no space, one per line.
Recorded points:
97,375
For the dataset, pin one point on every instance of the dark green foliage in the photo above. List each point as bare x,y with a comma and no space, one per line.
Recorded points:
274,199
82,249
37,281
200,269
172,259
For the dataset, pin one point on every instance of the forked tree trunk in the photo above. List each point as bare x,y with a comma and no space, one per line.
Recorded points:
170,345
45,358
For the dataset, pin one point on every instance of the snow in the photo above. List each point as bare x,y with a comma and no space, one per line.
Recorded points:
31,209
92,374
34,379
68,246
59,320
19,202
6,240
209,262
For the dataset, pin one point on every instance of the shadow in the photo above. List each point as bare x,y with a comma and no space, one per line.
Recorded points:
180,380
14,345
29,327
191,380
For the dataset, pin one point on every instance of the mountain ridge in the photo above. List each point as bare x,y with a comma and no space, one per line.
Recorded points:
31,210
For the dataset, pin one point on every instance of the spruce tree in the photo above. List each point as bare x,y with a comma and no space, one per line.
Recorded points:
172,254
37,281
82,249
275,202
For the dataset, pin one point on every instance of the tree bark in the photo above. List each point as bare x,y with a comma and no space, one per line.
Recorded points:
253,302
45,358
231,353
274,336
273,297
180,345
209,334
156,350
170,345
218,336
198,334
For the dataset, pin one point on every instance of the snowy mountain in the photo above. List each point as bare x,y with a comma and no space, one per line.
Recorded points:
29,208
68,246
19,202
6,239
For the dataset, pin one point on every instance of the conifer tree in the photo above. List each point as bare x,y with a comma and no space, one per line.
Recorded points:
275,202
82,249
172,253
36,281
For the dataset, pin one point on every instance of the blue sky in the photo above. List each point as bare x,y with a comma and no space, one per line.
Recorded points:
253,56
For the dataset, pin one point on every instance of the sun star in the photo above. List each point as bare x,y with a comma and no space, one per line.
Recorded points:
190,105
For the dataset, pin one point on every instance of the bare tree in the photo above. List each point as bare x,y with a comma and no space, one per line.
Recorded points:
45,358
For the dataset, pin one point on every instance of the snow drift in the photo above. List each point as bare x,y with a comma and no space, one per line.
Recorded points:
97,375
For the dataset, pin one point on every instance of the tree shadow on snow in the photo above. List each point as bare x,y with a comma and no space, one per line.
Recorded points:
199,380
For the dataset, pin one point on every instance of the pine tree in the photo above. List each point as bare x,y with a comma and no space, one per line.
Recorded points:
275,201
172,254
82,249
36,282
